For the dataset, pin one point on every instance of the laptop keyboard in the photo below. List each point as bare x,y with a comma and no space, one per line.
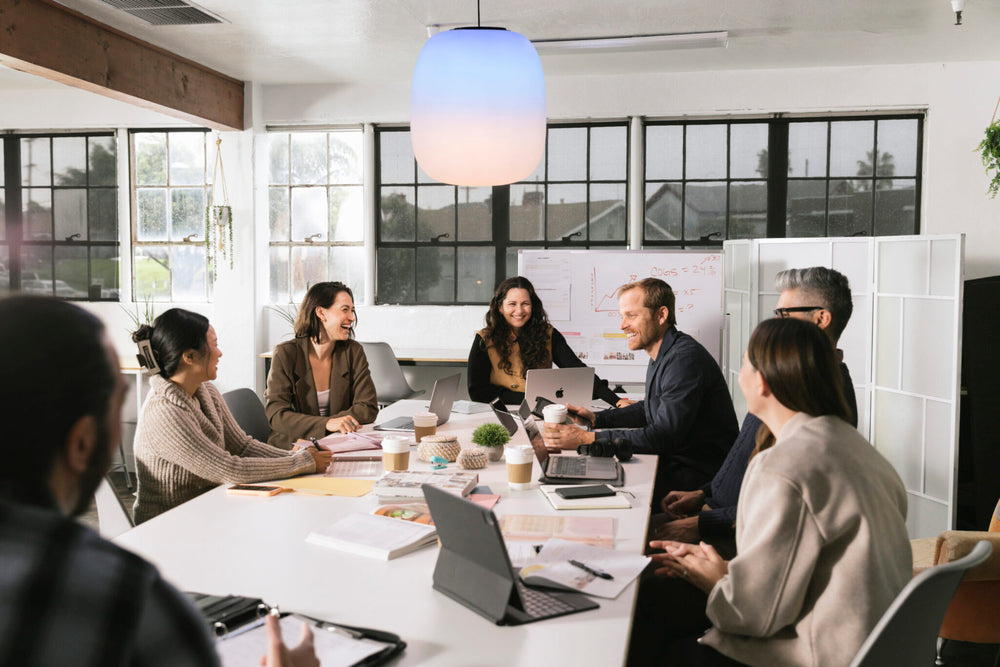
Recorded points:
567,466
541,605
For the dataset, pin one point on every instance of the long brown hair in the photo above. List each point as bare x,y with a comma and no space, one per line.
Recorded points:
533,338
797,361
320,295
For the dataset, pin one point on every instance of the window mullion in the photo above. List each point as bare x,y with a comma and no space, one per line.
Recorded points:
777,178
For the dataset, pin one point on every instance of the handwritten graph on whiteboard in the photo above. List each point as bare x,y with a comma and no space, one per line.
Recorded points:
579,289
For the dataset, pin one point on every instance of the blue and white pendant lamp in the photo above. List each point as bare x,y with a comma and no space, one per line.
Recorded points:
477,107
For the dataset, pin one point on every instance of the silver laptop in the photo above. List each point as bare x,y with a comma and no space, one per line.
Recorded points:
573,386
442,398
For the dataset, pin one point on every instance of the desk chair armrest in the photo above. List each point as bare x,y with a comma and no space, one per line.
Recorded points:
953,544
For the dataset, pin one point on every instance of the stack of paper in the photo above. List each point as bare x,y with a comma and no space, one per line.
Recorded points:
552,568
374,536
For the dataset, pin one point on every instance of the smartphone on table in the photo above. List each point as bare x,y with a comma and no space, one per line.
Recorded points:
588,491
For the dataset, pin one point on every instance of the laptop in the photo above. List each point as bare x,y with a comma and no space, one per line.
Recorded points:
473,567
442,398
573,386
563,468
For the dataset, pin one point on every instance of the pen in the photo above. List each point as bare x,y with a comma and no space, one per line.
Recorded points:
316,444
591,570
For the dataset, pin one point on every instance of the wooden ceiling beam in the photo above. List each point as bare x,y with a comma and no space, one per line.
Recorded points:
42,38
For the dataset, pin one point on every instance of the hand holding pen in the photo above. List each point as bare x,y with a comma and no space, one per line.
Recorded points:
321,457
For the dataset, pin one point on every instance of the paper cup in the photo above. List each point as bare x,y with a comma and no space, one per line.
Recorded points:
395,453
424,423
554,414
519,461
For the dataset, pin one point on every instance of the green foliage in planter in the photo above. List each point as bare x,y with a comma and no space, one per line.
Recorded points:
990,151
490,435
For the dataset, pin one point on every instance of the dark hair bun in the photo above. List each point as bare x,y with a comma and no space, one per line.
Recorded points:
144,332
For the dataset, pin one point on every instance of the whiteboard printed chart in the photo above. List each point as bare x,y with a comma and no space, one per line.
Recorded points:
579,289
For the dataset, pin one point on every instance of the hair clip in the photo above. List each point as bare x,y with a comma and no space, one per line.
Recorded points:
146,357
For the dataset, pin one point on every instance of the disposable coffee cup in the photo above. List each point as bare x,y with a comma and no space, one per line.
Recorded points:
424,423
519,460
553,415
395,453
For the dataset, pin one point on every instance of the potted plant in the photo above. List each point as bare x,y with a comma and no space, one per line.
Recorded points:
492,437
989,149
219,216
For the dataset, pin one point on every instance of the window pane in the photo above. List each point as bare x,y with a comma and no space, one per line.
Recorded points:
806,208
395,276
278,282
347,221
807,149
3,214
475,274
277,150
510,263
747,210
308,268
527,213
608,153
396,157
346,150
189,273
567,212
475,215
36,163
435,274
152,274
706,210
150,158
151,209
36,269
436,212
69,160
4,270
850,208
187,158
895,207
278,215
104,266
706,151
897,139
309,214
102,213
607,212
397,211
664,204
103,160
748,150
308,158
37,211
665,151
72,281
187,216
347,264
567,153
69,210
851,147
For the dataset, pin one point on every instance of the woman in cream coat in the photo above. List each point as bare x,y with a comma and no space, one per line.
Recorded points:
820,529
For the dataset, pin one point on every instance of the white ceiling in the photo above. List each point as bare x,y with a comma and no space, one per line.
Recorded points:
347,41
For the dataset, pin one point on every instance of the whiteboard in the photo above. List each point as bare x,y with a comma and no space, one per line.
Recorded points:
579,289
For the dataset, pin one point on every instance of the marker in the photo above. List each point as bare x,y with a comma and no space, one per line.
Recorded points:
592,570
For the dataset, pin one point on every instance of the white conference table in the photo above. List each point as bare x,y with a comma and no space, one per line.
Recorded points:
255,546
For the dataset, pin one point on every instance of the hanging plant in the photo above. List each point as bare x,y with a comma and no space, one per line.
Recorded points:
219,216
990,150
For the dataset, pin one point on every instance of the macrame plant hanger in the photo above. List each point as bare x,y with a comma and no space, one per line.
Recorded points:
219,216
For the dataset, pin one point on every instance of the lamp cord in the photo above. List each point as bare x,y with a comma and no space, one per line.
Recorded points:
995,111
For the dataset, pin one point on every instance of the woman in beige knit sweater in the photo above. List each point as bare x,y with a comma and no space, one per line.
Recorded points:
187,442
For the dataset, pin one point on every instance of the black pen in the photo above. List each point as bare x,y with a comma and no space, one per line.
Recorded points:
316,444
591,570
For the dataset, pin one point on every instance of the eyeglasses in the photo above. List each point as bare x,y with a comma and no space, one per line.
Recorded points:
784,313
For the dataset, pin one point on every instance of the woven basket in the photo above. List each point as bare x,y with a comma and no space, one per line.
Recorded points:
472,458
445,446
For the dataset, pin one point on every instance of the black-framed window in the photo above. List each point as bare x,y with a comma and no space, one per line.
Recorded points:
59,208
707,181
443,244
170,190
316,211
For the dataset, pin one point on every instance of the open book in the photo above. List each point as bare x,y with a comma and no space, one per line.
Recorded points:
374,536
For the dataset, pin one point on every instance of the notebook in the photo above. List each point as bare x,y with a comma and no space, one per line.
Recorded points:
473,567
442,398
571,386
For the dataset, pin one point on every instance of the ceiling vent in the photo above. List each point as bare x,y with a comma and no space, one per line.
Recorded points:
164,12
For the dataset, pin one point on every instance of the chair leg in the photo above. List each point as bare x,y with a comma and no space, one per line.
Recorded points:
940,648
128,480
996,663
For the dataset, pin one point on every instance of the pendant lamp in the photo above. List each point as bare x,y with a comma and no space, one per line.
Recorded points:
477,107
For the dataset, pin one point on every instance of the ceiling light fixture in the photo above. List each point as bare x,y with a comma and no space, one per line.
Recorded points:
957,6
662,42
477,106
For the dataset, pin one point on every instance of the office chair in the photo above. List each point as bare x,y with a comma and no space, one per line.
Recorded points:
390,383
907,632
249,412
113,518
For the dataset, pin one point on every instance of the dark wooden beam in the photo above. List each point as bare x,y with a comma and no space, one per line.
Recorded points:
42,38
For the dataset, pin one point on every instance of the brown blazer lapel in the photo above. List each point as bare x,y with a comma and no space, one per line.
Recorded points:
305,387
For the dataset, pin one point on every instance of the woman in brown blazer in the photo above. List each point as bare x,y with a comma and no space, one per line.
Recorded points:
319,381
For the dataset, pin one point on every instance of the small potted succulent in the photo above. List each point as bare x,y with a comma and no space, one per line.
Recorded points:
491,437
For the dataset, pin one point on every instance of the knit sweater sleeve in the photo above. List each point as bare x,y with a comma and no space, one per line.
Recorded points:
236,439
